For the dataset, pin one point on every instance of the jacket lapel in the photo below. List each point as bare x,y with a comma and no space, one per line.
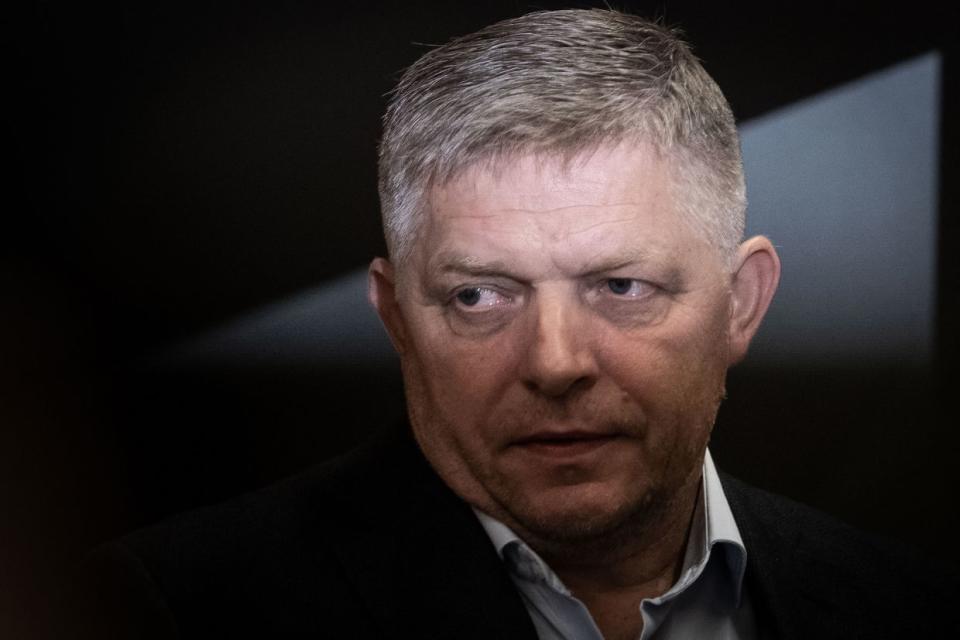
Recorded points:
796,593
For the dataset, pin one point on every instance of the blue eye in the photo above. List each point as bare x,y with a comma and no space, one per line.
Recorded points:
620,286
479,298
628,287
470,297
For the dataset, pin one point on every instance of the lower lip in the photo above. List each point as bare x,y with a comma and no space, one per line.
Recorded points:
566,448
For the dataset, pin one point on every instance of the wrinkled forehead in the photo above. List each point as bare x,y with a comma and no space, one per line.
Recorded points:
614,201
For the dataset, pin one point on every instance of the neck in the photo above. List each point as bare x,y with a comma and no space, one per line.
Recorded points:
646,550
641,559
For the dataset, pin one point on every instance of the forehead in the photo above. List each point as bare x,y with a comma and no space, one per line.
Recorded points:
600,205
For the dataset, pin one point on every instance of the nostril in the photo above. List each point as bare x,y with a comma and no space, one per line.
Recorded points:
559,386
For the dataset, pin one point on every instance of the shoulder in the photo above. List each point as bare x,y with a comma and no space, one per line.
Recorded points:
251,561
270,524
814,571
778,522
367,545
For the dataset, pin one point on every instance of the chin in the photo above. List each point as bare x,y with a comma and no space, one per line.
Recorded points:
578,518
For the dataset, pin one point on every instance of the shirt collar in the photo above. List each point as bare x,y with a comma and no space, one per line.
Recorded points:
713,526
520,559
713,531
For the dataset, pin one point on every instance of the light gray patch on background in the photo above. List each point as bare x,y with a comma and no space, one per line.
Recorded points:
845,185
330,326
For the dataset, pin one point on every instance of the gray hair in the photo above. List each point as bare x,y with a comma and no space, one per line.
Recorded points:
558,83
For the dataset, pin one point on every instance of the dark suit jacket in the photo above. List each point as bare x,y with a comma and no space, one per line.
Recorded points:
374,545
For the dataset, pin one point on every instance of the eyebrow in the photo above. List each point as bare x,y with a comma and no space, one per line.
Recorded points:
470,265
618,261
449,262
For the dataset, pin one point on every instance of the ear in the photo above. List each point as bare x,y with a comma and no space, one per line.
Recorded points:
382,293
754,281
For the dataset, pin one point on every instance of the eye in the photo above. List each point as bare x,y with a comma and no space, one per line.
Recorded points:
479,297
478,311
628,287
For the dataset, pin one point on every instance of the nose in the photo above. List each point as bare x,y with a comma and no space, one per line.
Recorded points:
559,359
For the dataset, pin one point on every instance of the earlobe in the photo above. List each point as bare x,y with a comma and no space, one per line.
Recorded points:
382,293
755,279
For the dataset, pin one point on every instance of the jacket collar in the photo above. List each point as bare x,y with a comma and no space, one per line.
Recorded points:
796,591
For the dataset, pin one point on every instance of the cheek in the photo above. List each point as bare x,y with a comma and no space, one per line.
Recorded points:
675,376
678,396
461,379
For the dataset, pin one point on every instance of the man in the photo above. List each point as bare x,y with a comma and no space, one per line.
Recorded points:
563,202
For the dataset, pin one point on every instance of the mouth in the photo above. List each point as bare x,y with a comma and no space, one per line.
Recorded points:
565,444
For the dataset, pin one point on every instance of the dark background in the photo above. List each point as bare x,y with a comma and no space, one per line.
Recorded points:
170,168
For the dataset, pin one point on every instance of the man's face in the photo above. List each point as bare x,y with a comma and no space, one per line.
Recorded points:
564,341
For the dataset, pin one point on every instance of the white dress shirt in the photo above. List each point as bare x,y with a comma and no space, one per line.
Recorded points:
707,600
